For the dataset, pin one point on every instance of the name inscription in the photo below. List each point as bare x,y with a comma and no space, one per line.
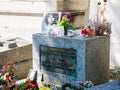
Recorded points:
58,60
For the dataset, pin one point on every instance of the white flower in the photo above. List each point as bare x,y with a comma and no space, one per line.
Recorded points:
2,77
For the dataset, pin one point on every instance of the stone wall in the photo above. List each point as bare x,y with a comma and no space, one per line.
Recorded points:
72,5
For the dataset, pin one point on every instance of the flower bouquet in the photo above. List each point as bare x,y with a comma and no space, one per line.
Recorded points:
101,25
7,75
86,84
65,22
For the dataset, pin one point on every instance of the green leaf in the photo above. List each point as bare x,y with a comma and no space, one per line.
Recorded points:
62,23
118,71
71,27
23,86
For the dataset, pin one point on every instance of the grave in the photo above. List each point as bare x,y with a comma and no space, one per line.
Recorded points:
61,60
17,50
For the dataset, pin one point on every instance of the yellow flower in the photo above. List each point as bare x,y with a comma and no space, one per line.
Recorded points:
44,88
65,19
66,23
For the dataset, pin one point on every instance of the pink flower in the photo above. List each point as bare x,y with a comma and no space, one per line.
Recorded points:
54,34
7,66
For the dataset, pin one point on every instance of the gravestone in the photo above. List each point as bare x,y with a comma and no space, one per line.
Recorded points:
61,60
17,50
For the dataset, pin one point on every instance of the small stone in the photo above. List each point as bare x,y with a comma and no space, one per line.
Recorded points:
12,45
1,44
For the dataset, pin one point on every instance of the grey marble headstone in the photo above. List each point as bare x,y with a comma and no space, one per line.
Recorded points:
91,57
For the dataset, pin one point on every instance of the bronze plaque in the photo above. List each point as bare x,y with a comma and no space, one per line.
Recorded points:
58,60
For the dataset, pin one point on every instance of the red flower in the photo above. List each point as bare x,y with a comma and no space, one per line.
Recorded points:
105,0
99,3
33,86
84,32
81,83
7,76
